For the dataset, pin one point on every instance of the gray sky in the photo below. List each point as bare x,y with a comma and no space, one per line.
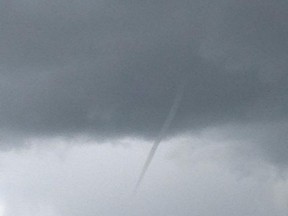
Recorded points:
102,72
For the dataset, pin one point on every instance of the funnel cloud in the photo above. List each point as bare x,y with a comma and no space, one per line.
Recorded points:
163,131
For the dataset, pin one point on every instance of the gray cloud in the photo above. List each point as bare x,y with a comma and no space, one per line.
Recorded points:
110,69
266,140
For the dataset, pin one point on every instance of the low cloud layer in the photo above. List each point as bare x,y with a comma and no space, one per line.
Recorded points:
110,69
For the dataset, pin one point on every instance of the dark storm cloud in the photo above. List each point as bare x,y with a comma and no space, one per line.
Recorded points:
112,68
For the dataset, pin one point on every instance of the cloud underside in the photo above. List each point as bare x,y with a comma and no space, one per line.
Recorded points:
110,69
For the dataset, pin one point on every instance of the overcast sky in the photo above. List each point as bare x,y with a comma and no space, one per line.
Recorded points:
85,87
